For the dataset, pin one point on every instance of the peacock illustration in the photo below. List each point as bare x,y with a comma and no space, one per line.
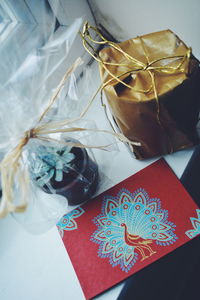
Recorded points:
129,226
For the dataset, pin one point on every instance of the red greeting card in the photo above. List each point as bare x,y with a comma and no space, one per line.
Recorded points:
129,227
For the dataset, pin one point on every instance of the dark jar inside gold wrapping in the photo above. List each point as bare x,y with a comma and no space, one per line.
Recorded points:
157,102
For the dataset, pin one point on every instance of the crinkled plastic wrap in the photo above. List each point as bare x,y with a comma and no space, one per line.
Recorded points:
61,169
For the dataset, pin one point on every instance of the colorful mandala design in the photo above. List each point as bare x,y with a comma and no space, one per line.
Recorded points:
67,222
196,225
128,225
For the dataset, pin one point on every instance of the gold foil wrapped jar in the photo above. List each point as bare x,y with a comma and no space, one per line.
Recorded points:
152,84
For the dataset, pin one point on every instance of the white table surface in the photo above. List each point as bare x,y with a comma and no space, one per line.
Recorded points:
37,267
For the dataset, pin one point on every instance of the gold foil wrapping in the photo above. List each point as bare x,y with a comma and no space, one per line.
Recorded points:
161,108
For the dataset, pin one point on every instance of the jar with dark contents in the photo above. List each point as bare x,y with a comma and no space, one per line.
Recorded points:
64,170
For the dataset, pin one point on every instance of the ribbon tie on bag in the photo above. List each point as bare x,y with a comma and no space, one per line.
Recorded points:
149,66
14,171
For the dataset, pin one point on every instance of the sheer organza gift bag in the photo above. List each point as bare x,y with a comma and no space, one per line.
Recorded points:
48,149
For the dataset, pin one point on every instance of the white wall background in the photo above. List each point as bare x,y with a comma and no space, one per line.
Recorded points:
129,18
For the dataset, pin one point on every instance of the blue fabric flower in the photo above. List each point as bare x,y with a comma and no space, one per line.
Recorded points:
51,162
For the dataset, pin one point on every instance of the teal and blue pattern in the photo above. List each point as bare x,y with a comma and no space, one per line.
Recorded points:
68,222
128,225
50,162
196,225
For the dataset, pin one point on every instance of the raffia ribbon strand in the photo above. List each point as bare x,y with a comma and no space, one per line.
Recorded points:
14,171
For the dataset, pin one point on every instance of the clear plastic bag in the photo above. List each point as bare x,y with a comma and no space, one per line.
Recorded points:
55,168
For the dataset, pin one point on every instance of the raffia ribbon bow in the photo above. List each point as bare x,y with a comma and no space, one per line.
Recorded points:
14,171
